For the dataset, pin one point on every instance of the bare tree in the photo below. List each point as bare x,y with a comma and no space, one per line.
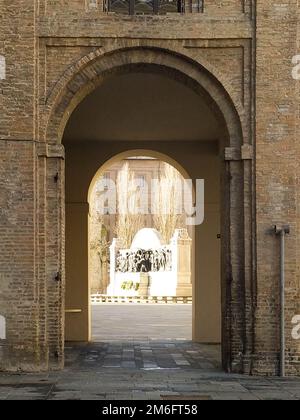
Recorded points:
99,251
129,220
99,243
167,202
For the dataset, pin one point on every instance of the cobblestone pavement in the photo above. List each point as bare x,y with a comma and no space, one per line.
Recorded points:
144,369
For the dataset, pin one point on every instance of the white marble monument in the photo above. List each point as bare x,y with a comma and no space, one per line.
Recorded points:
150,268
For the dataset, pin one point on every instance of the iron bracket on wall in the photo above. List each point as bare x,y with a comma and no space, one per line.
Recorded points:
56,178
57,277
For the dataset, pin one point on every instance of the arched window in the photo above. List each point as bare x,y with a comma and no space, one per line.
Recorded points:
146,7
2,328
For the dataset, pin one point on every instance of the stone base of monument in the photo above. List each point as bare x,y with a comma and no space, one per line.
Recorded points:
144,289
184,290
184,285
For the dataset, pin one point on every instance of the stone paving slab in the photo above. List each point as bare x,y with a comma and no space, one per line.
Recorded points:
144,366
87,378
158,355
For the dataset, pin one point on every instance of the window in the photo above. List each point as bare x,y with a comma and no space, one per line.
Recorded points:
146,7
141,180
119,6
91,4
106,181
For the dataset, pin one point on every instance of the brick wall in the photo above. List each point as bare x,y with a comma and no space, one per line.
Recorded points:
277,169
41,41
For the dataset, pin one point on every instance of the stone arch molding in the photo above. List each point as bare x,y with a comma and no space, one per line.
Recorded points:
89,72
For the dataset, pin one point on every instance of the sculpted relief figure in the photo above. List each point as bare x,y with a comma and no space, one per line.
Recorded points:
144,261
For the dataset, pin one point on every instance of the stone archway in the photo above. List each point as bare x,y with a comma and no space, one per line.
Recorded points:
80,80
238,291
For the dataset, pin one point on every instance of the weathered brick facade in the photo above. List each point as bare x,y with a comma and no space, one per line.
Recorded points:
239,54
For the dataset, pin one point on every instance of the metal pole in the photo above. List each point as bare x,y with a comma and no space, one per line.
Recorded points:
284,230
282,303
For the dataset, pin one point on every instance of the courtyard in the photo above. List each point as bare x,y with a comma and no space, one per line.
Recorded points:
142,322
143,352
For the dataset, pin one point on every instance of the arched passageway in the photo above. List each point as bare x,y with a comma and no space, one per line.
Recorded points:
140,271
141,99
115,121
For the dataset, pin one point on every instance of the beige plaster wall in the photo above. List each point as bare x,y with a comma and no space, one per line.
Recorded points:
77,321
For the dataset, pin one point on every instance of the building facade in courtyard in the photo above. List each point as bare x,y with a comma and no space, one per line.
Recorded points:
208,86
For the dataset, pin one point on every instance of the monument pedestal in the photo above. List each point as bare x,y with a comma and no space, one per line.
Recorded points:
184,286
182,250
144,284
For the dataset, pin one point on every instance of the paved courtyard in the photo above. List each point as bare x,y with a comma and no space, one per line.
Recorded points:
143,365
121,322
